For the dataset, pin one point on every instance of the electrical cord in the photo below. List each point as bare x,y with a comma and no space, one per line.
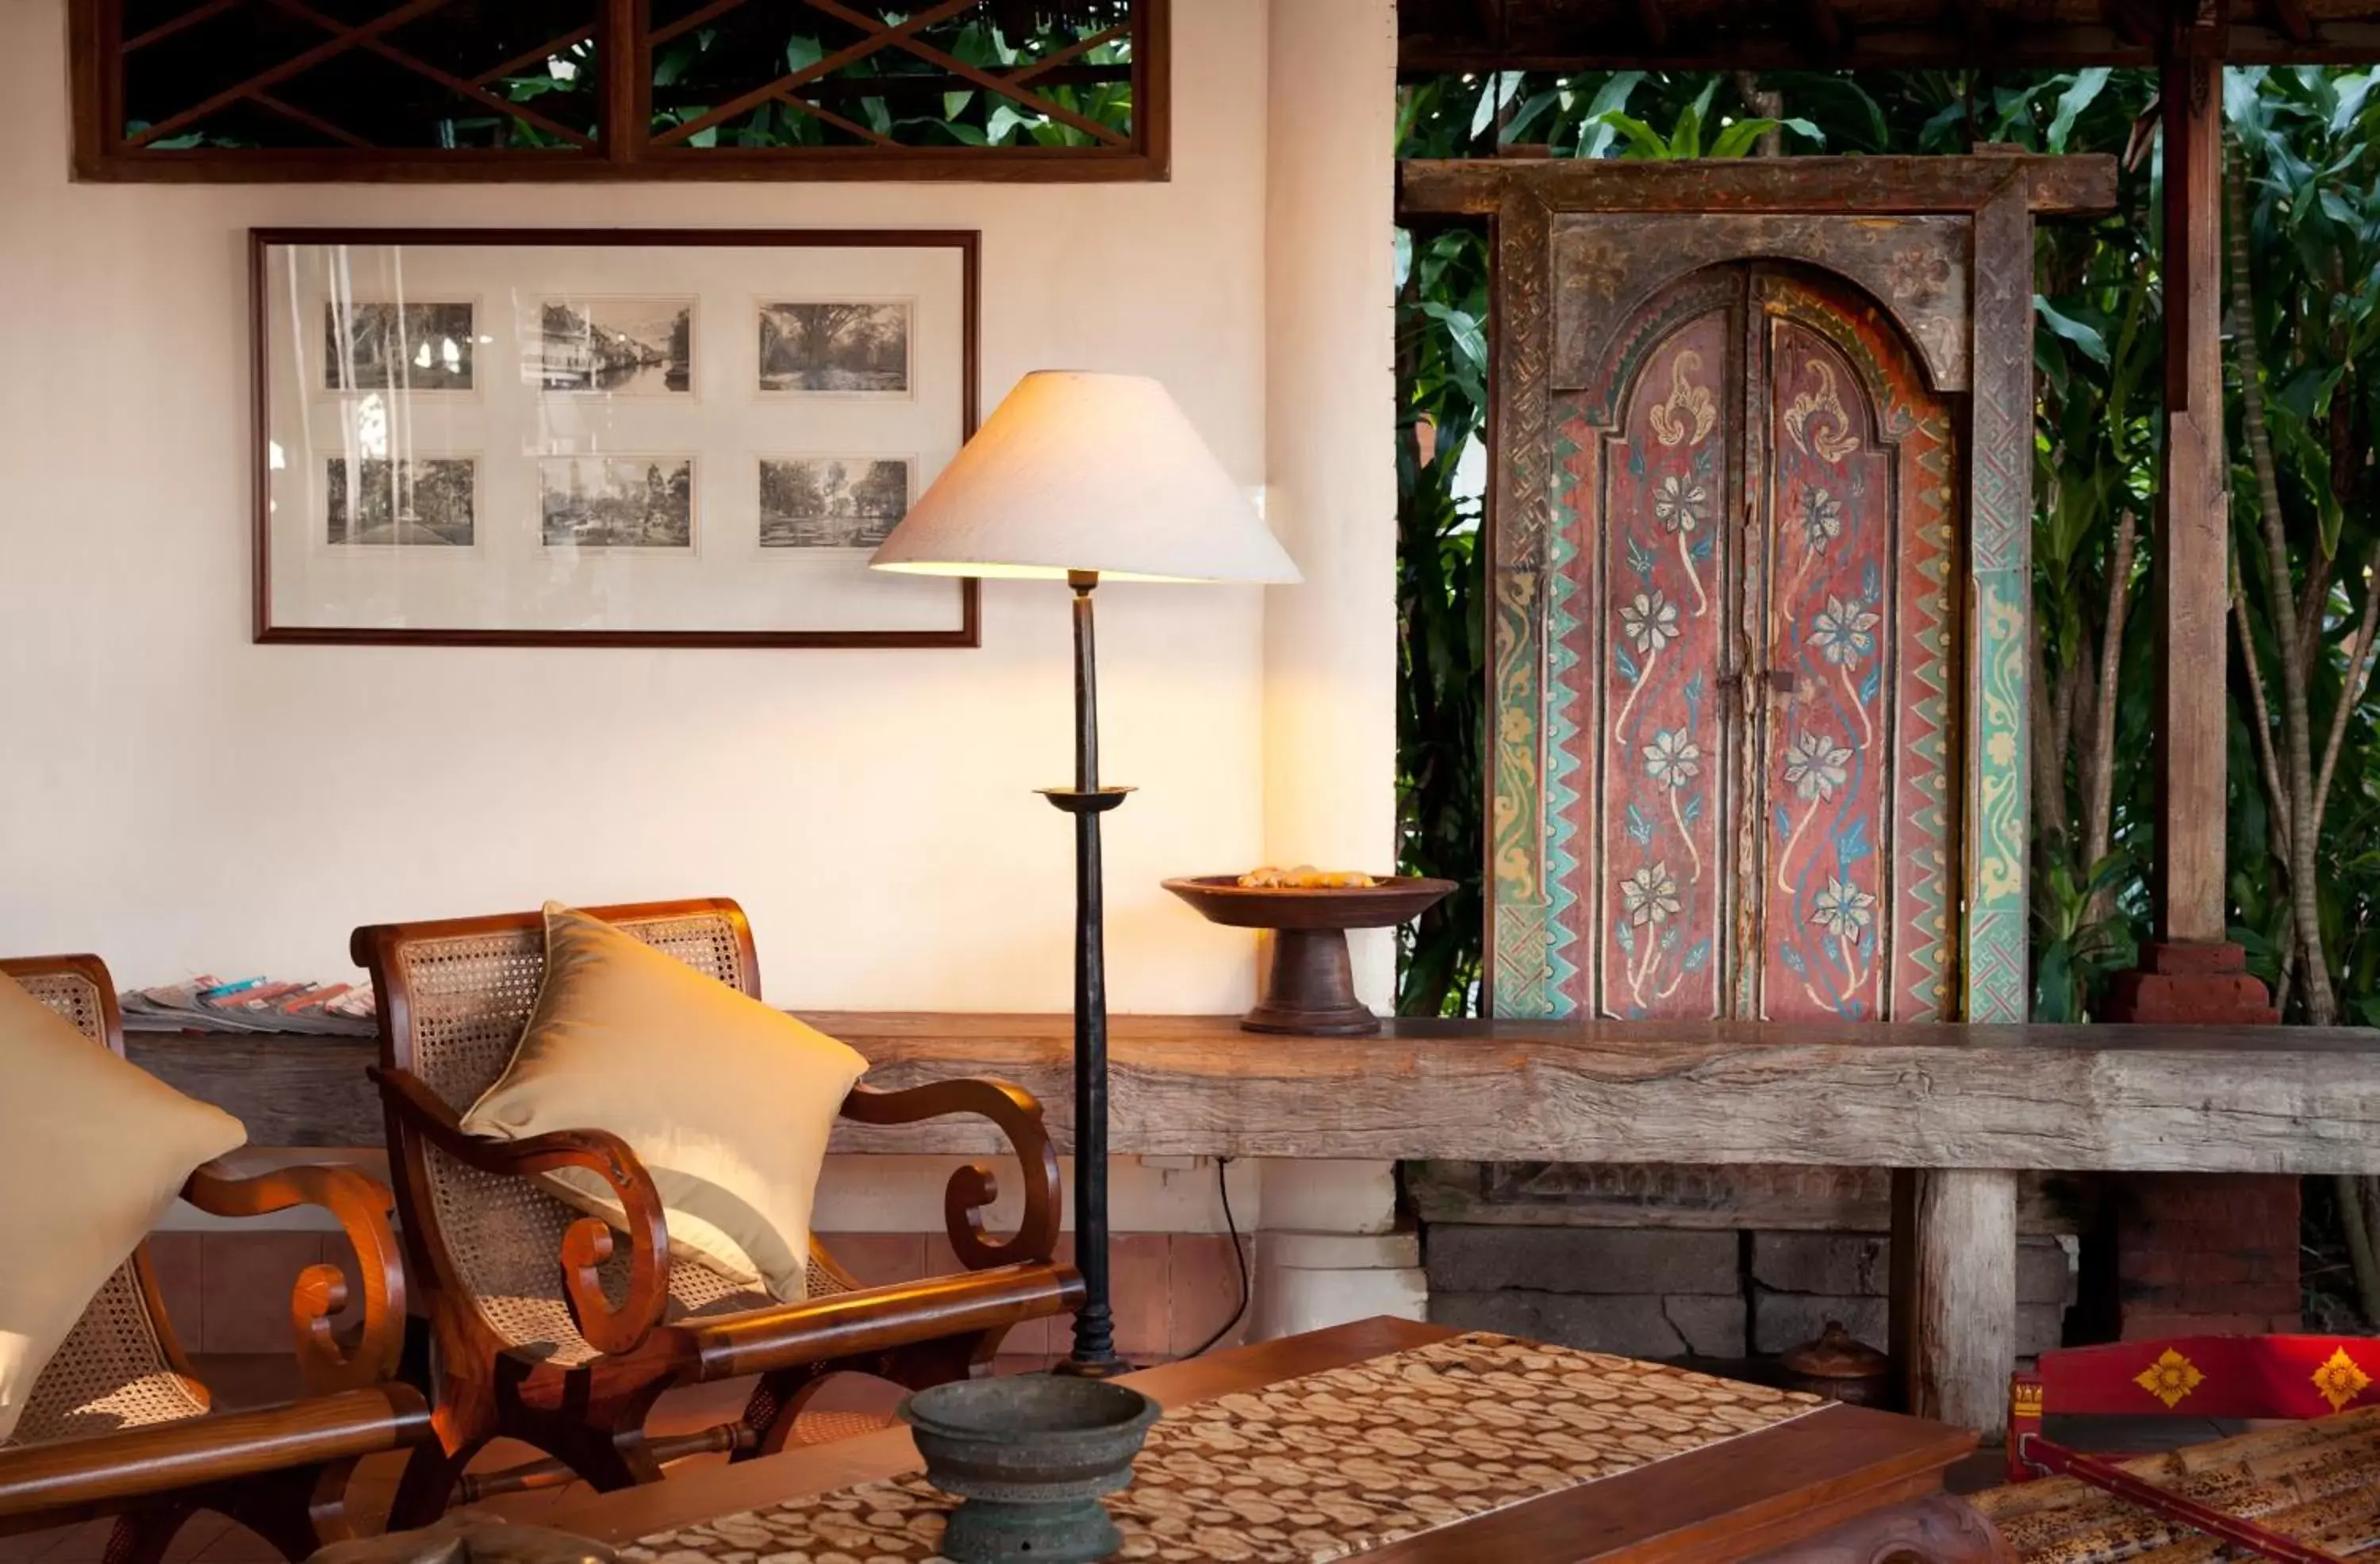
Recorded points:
1239,1256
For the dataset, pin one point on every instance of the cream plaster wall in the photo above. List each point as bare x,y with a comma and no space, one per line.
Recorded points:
1330,656
181,800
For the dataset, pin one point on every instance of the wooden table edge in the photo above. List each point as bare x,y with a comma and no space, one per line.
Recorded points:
1786,1483
1857,1460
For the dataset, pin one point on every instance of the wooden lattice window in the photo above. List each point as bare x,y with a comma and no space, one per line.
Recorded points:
226,90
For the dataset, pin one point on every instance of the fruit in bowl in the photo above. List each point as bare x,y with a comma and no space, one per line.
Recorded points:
1306,877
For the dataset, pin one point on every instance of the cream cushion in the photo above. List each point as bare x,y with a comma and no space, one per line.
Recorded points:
92,1151
727,1102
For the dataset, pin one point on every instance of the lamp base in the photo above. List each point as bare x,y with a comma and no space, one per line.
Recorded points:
1108,1367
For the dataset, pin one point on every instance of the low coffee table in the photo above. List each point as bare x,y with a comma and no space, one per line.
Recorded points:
1840,1484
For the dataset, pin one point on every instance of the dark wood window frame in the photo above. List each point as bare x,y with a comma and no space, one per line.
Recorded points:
624,148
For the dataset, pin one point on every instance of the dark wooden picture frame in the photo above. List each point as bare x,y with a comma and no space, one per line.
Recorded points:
622,145
263,242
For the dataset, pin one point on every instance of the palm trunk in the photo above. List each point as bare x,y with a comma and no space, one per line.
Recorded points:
2296,651
2298,629
2100,762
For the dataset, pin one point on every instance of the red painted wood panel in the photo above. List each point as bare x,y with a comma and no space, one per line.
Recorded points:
1827,743
1663,763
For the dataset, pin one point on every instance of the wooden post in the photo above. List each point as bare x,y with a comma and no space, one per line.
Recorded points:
2193,515
1955,1286
2191,973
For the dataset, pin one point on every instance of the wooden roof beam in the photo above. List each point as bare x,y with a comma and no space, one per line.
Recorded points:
1476,187
2140,23
1652,24
2289,18
1484,35
1826,25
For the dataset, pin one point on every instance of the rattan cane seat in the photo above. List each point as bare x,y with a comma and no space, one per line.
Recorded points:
541,1328
112,1371
469,998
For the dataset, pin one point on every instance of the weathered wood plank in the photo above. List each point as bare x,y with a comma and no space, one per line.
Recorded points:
289,1089
2051,1099
2205,1099
1477,187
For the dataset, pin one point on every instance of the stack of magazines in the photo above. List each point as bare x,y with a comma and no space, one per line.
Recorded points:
250,1004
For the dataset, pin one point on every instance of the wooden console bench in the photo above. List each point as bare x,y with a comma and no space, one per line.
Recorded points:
1964,1108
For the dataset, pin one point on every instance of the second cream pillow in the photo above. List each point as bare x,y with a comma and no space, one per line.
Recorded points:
727,1102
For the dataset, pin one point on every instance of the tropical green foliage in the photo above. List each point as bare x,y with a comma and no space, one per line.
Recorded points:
708,65
696,71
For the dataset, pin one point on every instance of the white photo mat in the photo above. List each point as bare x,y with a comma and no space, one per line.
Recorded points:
661,539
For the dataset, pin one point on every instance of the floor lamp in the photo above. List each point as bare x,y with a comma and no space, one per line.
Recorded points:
1084,477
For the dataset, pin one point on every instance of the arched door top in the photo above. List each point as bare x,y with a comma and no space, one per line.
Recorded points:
1914,267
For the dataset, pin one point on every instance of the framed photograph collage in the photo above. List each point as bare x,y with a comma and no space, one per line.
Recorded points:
605,436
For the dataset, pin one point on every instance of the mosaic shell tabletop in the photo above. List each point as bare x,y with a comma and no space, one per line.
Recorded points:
1316,1468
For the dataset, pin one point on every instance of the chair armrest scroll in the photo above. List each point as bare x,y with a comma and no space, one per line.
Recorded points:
331,1360
973,1188
588,1242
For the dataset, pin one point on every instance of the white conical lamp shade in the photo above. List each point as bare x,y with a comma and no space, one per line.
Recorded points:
1086,472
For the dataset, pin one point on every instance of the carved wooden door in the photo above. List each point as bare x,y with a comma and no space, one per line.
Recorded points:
1760,485
1758,533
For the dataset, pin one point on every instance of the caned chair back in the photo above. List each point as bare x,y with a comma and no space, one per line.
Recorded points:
458,994
120,1366
454,997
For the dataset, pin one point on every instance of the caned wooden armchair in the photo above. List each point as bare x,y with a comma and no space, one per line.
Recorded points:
118,1425
551,1331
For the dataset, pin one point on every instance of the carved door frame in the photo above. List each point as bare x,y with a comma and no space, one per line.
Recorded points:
1974,215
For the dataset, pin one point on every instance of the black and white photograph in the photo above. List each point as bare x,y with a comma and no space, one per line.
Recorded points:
616,501
832,501
615,346
850,347
372,346
428,501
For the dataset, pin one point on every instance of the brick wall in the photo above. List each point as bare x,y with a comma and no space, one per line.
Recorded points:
2206,1254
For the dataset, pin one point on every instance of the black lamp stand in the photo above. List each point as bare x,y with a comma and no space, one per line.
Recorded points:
1094,1356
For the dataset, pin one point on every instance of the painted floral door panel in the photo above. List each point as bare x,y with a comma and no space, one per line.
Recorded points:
1764,556
1854,573
1664,745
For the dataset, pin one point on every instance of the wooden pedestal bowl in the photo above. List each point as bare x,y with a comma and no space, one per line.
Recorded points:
1310,990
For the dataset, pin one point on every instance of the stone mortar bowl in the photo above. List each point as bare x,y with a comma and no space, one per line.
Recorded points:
1029,1455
